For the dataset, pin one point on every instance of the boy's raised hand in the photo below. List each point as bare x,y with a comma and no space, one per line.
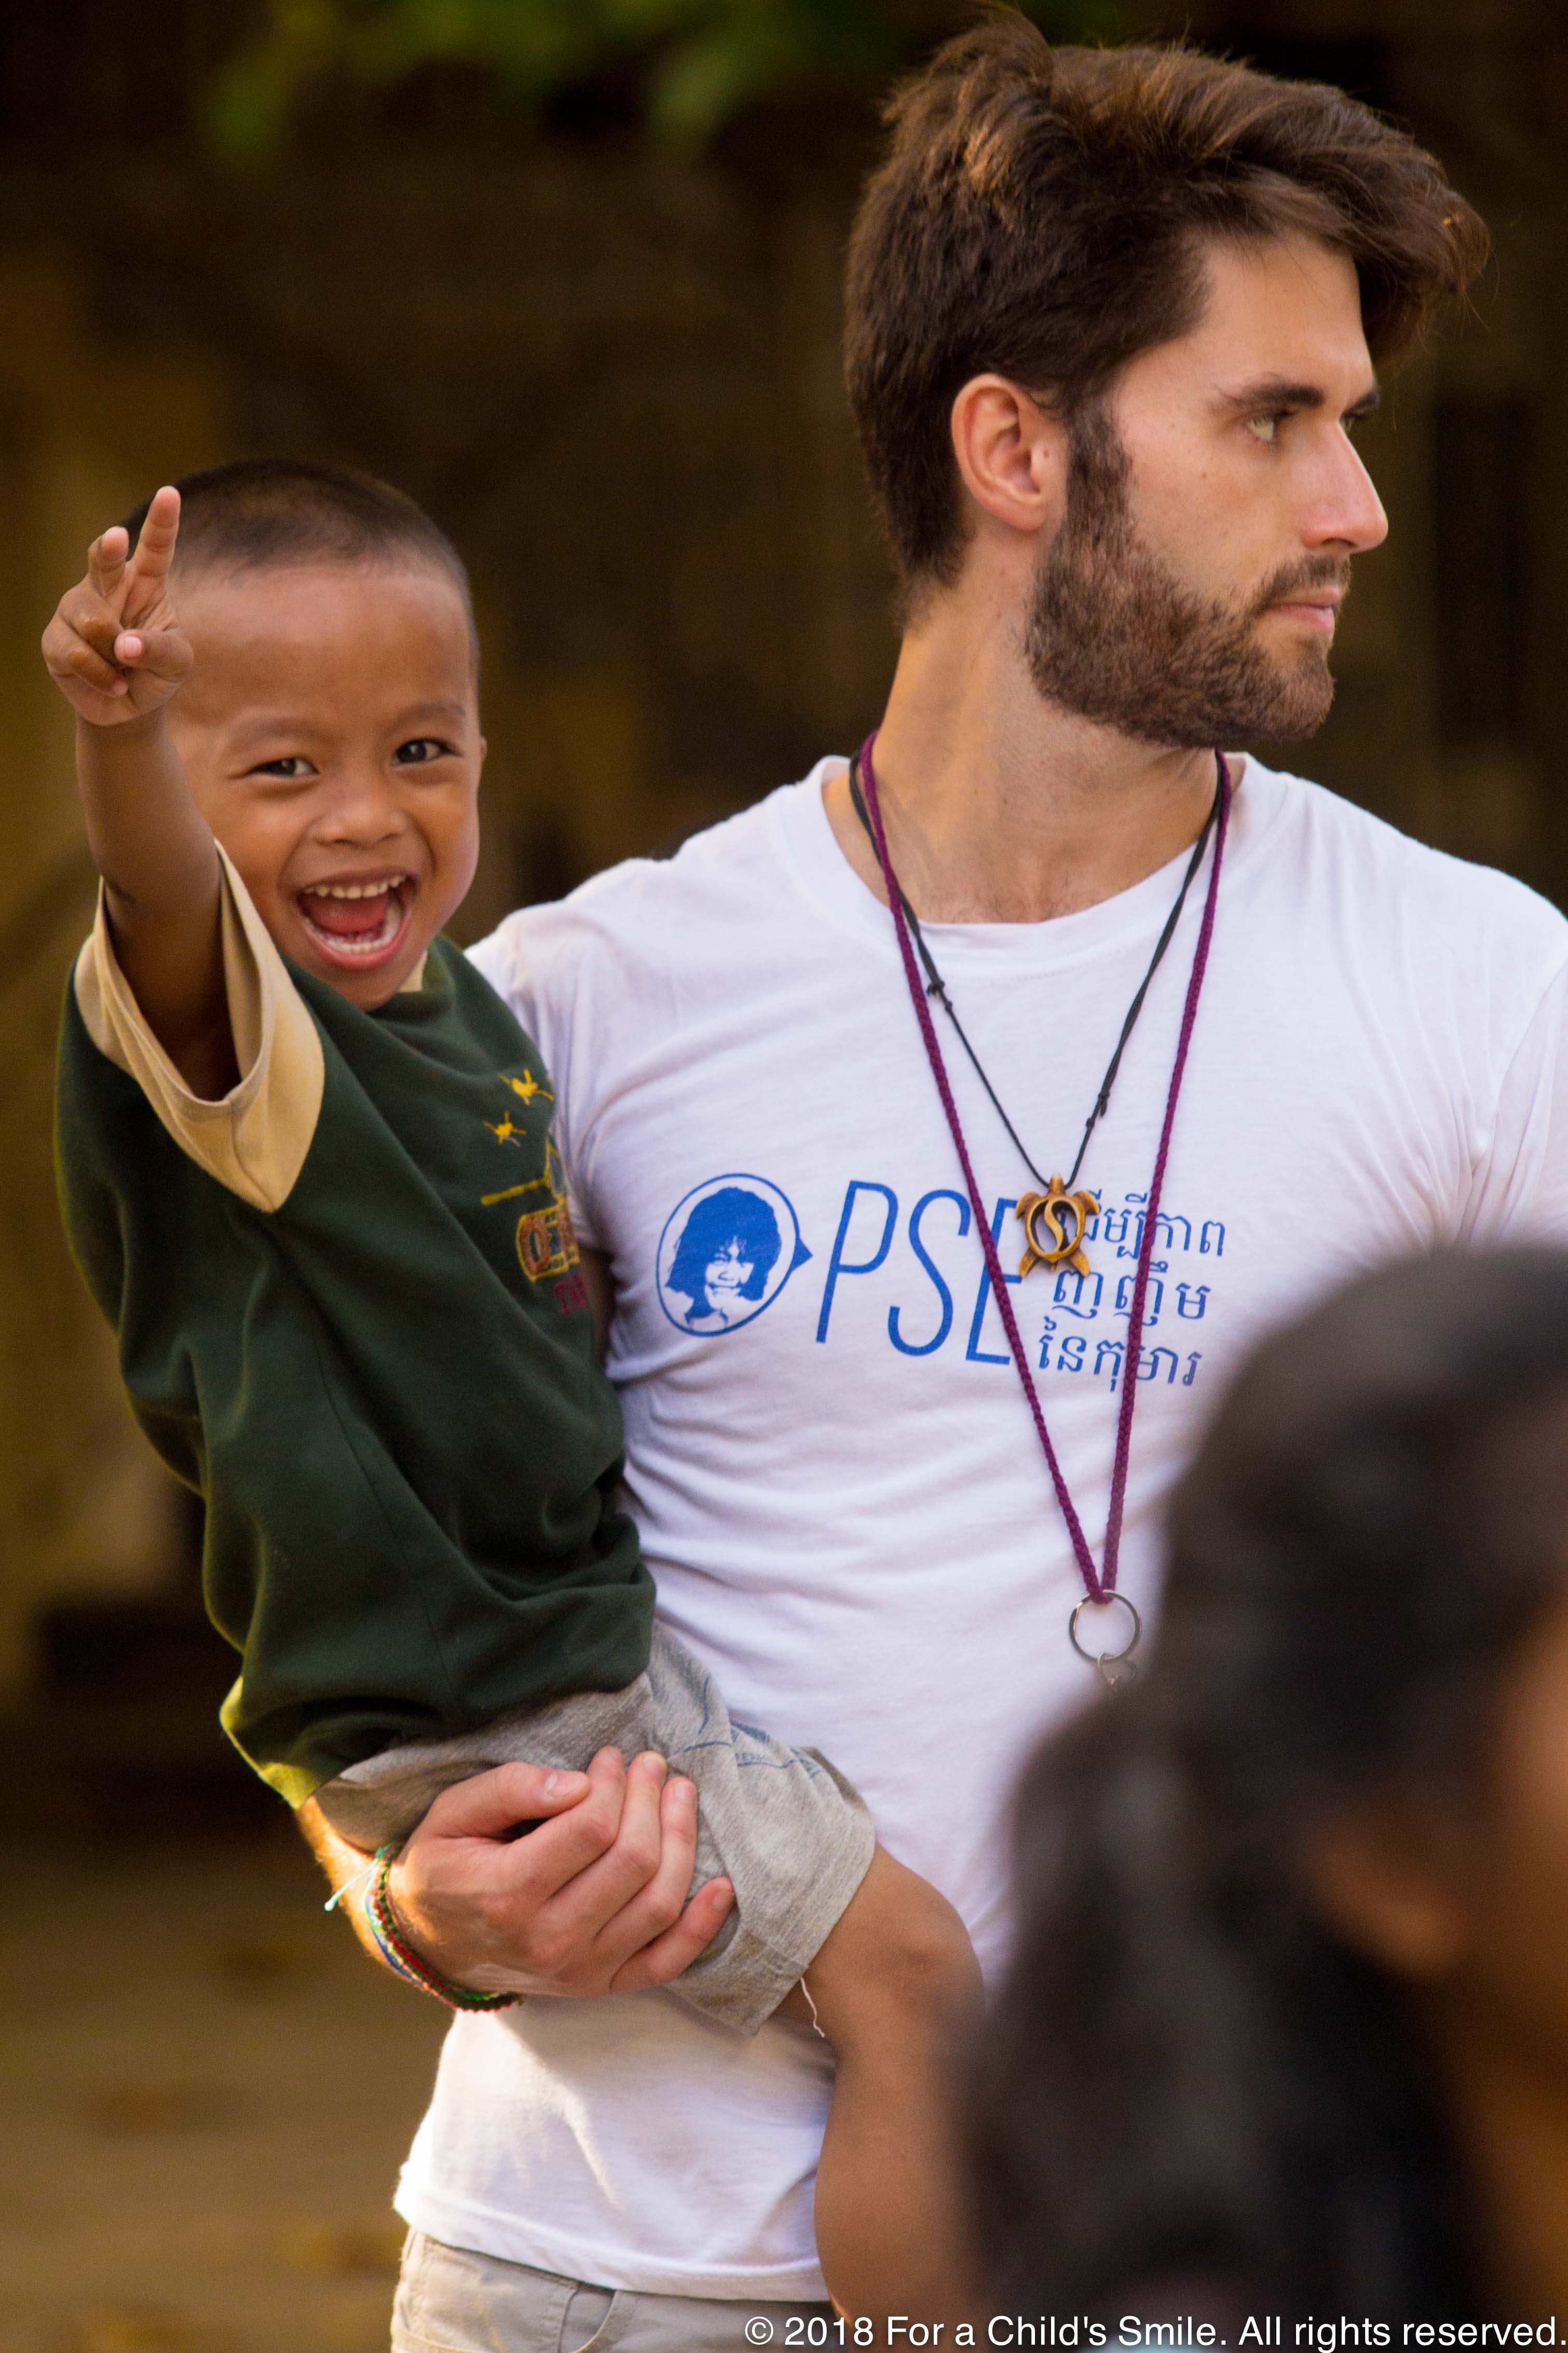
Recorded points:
115,649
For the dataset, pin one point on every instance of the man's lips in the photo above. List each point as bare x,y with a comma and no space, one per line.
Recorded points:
1317,611
357,919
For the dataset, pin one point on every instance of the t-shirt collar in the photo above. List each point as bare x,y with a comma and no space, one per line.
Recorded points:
1059,939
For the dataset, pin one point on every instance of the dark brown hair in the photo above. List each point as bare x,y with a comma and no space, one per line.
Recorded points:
1041,213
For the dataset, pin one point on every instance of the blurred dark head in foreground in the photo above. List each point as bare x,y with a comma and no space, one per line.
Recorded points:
1290,2007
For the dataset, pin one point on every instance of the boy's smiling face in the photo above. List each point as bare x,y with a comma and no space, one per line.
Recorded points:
330,729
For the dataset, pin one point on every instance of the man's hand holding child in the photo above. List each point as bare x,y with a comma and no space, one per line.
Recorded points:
592,1900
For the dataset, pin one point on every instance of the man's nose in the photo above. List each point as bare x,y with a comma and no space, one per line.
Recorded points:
1348,513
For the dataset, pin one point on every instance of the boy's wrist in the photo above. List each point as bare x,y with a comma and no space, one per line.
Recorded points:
135,729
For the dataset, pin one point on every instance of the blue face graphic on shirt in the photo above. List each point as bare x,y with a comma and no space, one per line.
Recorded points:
727,1251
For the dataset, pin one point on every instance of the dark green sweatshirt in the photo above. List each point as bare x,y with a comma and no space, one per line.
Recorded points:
385,1386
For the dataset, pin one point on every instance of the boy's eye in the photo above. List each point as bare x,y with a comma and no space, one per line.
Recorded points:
1265,429
292,766
420,750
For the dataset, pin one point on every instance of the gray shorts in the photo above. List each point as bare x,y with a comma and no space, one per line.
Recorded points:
782,1822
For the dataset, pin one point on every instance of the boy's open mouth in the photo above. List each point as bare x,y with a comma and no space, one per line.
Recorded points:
357,923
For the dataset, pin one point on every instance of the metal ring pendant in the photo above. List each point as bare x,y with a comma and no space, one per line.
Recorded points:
1105,1658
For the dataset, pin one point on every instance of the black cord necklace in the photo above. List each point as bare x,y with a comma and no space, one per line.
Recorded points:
1058,1208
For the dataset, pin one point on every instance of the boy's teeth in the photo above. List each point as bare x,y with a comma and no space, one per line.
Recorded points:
354,889
357,918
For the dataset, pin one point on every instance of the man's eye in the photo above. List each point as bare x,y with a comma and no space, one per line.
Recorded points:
1265,429
420,750
293,766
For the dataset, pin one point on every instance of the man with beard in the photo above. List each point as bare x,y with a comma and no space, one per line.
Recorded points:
1062,1046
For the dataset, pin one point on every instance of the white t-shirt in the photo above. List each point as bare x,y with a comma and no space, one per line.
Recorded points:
837,1482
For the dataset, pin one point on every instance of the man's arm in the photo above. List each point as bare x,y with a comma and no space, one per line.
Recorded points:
1518,1189
593,1901
117,653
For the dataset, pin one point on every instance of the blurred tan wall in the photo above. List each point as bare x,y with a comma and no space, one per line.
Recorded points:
82,1503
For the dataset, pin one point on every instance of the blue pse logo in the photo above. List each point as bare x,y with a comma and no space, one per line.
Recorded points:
726,1252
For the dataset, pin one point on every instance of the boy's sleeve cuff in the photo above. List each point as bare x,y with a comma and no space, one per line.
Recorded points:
254,1139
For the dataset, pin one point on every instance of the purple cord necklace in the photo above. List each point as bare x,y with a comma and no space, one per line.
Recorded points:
1100,1585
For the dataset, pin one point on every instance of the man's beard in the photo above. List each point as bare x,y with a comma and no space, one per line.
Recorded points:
1112,635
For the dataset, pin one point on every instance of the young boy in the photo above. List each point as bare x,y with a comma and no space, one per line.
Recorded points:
307,1169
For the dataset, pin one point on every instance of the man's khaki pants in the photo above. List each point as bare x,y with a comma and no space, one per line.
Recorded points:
449,2301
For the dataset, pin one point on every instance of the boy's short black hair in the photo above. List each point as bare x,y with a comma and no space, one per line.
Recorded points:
255,512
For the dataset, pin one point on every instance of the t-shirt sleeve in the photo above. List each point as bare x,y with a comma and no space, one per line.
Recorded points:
529,961
254,1140
1520,1191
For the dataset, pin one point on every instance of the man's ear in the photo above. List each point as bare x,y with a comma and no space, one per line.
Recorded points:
1382,1876
1012,455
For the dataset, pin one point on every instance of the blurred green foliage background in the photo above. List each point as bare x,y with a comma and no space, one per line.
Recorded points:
696,64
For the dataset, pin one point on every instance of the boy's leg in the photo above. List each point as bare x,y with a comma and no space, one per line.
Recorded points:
893,1988
382,1799
893,1978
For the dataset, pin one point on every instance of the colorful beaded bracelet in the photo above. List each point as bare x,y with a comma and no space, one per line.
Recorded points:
400,1957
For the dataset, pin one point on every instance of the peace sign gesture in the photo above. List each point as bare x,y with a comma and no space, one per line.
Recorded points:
115,649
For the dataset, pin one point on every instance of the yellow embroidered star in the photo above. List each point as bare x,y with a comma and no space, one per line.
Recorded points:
507,1131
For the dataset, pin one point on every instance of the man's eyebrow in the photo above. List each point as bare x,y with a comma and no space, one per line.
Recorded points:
1283,391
